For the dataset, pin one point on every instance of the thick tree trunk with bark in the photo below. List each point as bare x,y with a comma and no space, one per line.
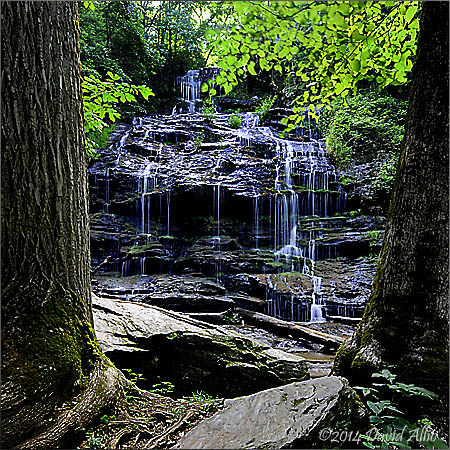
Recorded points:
406,320
48,343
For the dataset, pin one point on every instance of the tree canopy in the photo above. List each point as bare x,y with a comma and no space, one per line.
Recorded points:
327,46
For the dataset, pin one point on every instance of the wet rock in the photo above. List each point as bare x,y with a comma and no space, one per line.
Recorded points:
291,416
177,293
191,354
229,103
182,195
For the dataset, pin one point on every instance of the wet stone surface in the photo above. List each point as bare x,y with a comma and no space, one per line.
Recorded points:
198,216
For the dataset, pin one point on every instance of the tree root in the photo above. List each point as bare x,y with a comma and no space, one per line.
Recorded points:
104,390
135,418
156,441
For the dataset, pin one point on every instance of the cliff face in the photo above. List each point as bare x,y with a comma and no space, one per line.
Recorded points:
266,218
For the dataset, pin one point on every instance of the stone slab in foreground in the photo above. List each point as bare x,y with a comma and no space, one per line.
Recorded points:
193,355
290,416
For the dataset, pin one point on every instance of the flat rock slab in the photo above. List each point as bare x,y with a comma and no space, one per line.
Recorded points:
193,355
290,416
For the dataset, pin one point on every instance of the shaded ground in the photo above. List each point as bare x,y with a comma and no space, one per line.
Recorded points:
149,421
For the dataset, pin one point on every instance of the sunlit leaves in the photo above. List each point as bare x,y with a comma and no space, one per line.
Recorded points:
100,98
89,5
251,67
342,43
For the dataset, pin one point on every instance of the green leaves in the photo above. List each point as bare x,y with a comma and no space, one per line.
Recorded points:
145,91
339,43
100,100
89,5
389,428
355,65
410,13
251,67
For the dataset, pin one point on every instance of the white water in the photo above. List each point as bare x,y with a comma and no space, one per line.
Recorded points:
190,88
301,168
309,158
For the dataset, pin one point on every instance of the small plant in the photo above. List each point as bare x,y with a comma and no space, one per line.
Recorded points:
93,441
235,121
373,237
264,107
206,401
355,213
231,317
105,419
385,178
209,112
198,141
389,427
345,180
134,377
163,388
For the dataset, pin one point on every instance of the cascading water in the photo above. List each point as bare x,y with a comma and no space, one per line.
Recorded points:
190,88
283,220
307,173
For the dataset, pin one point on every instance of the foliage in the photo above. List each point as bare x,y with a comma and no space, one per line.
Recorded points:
330,46
263,108
134,377
367,124
373,237
163,388
209,112
231,317
355,213
198,141
385,179
346,180
148,42
206,401
389,427
105,419
98,139
235,121
100,99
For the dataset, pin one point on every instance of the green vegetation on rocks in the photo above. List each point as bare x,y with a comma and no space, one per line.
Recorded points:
368,125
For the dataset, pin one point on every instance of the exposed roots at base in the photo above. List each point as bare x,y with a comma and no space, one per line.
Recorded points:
149,421
104,391
113,413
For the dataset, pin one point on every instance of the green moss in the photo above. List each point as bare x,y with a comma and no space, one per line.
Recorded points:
140,249
51,348
297,402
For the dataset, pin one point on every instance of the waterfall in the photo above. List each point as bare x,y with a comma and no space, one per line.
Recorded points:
302,169
168,212
148,184
256,220
106,206
218,266
120,145
218,213
274,197
190,87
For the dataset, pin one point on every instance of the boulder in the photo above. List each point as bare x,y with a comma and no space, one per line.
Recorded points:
193,355
298,415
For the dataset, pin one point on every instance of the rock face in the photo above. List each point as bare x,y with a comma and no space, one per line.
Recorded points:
193,355
189,196
291,416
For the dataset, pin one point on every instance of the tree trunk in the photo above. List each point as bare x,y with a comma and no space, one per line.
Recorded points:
406,319
48,343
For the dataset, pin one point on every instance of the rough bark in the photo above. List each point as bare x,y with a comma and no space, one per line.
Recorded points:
48,343
406,319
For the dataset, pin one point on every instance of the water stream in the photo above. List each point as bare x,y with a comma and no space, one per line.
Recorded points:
284,221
